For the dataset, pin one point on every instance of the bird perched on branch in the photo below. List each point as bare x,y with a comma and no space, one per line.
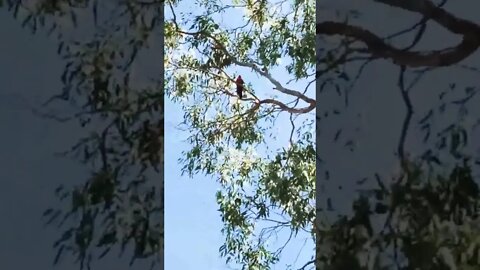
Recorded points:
239,82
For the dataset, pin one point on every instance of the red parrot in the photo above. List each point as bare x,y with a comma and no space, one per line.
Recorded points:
239,82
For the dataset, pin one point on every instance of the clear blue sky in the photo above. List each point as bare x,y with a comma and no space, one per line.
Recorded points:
192,222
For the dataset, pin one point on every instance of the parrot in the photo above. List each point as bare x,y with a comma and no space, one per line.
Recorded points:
239,82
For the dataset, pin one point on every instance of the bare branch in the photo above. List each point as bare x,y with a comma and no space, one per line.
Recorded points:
408,116
288,109
435,58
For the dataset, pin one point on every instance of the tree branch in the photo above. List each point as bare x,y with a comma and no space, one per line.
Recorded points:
379,48
407,119
278,86
288,109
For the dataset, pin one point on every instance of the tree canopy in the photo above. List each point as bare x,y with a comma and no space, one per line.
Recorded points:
266,175
425,215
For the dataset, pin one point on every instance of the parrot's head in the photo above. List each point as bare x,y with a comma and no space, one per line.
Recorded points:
239,80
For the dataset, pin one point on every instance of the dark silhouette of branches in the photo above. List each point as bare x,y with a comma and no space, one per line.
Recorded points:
425,197
379,48
117,206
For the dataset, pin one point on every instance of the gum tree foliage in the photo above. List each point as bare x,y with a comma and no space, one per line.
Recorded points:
427,217
119,205
264,190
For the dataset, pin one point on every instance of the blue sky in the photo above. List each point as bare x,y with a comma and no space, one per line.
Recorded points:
192,222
